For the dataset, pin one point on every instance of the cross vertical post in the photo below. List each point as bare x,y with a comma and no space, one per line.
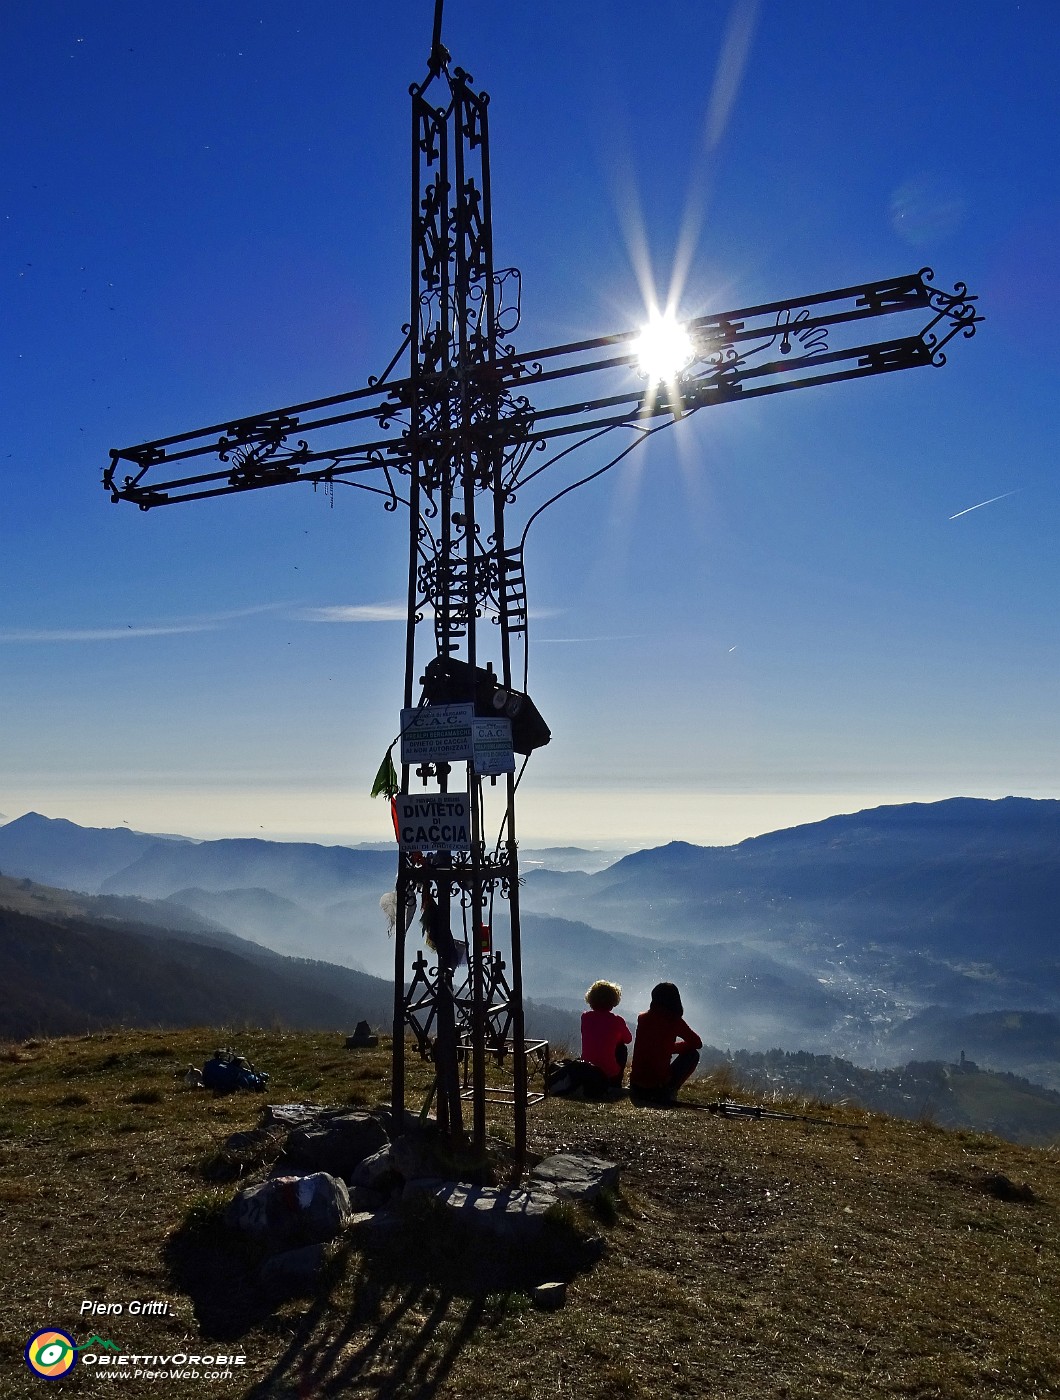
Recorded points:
458,572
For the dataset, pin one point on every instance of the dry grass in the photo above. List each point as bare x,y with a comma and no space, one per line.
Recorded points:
757,1260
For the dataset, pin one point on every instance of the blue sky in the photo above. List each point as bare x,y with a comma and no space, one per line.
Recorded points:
768,616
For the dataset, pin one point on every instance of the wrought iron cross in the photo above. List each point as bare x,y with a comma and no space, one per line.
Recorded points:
456,440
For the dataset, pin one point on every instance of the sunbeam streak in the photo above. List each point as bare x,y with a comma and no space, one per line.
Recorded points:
728,78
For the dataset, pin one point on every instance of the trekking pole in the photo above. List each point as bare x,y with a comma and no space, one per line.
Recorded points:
728,1108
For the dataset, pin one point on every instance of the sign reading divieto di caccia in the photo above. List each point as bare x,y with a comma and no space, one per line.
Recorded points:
433,821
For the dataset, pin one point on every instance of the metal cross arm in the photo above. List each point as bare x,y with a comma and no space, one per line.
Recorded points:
746,353
261,451
757,350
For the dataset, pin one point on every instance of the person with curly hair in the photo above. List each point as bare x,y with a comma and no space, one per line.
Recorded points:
605,1035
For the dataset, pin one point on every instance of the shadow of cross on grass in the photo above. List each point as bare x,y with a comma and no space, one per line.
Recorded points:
393,1309
403,1342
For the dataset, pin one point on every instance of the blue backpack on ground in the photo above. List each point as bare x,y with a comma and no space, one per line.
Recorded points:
227,1072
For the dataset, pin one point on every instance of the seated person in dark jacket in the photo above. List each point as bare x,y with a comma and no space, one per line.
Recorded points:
666,1051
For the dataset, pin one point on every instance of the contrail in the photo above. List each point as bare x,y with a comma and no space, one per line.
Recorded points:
982,504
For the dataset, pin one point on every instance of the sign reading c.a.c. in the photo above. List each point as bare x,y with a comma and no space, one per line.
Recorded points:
493,745
437,734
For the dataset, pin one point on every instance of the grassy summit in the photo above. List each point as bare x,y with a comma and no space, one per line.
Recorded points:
744,1259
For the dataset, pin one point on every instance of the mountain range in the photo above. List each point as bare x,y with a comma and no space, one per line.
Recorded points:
910,923
907,931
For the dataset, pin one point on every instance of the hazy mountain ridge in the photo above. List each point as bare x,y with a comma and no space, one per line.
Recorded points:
73,962
1007,1039
740,994
270,919
895,910
53,851
32,897
296,871
68,978
947,868
315,901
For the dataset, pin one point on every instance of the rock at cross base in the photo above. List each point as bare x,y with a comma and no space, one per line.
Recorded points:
290,1115
291,1210
420,1154
577,1176
336,1145
375,1173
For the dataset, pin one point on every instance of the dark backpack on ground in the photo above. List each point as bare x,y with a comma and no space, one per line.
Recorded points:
568,1078
227,1072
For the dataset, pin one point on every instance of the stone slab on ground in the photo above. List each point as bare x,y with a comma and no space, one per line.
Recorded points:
291,1115
294,1271
577,1176
423,1186
549,1296
505,1212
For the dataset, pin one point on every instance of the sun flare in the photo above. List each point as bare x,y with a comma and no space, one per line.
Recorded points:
663,349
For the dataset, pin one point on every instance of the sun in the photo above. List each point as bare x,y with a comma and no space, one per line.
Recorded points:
663,349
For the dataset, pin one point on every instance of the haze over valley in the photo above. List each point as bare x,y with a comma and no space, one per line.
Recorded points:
905,932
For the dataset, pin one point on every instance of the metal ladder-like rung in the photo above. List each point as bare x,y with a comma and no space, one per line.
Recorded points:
515,590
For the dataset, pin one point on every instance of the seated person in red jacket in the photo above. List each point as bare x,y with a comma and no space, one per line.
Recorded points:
666,1051
605,1035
